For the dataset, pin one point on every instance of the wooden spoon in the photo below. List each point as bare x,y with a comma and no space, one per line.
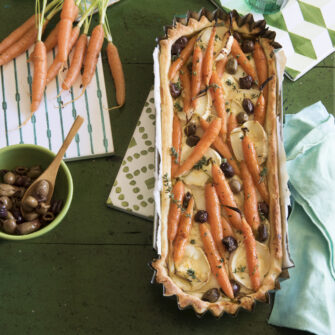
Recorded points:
50,173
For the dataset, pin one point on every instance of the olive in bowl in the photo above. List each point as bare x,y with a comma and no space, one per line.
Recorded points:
23,161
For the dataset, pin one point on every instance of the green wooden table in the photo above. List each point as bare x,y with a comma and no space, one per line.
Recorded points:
91,274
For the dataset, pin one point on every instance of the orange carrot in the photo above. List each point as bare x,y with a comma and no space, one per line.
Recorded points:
183,57
260,109
243,60
232,124
176,144
207,67
65,28
252,259
175,209
40,73
250,198
220,66
226,196
226,228
199,150
215,260
93,50
196,72
117,72
76,62
183,233
186,84
214,217
56,65
219,101
261,67
17,34
250,157
20,46
222,148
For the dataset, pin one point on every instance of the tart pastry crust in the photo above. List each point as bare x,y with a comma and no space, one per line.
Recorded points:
246,27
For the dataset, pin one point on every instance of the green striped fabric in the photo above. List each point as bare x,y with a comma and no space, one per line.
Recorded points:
305,29
58,110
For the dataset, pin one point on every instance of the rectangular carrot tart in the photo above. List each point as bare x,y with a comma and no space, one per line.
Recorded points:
221,245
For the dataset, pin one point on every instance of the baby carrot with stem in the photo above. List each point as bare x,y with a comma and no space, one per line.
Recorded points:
242,59
222,148
250,198
219,101
199,150
21,30
197,61
116,68
232,124
220,66
176,144
215,260
207,67
250,157
40,63
177,196
183,232
187,94
226,196
183,57
65,28
214,218
261,67
260,107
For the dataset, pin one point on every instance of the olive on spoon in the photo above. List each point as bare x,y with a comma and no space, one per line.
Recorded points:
43,187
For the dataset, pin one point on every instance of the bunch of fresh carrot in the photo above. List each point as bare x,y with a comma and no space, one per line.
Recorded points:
66,35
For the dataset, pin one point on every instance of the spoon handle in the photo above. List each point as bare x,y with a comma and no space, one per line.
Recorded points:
73,131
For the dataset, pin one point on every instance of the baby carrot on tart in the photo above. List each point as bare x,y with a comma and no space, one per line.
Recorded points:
176,145
187,94
207,66
197,61
183,232
215,260
199,150
177,196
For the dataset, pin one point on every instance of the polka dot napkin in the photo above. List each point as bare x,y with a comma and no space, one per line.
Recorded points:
132,191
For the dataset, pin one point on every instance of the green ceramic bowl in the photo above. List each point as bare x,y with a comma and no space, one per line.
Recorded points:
29,155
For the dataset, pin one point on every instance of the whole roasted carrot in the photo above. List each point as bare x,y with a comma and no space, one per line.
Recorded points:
207,66
250,158
17,34
250,198
176,145
199,150
243,60
222,148
183,57
232,124
186,84
214,217
252,259
183,233
226,196
175,209
117,72
215,260
57,64
196,72
219,101
226,228
93,50
261,67
259,114
65,28
76,62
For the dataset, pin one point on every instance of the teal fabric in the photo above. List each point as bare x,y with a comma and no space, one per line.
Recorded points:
307,300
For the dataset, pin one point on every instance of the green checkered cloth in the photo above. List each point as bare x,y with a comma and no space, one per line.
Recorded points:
305,29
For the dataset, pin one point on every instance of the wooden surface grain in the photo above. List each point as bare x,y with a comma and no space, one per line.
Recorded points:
91,274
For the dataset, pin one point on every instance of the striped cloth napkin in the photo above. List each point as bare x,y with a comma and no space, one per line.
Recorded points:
305,29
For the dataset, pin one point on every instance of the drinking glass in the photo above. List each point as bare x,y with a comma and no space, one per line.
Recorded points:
266,6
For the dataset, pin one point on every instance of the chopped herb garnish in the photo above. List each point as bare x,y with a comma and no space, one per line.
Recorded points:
263,174
194,73
192,241
214,86
228,82
191,273
240,269
174,153
200,164
178,107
